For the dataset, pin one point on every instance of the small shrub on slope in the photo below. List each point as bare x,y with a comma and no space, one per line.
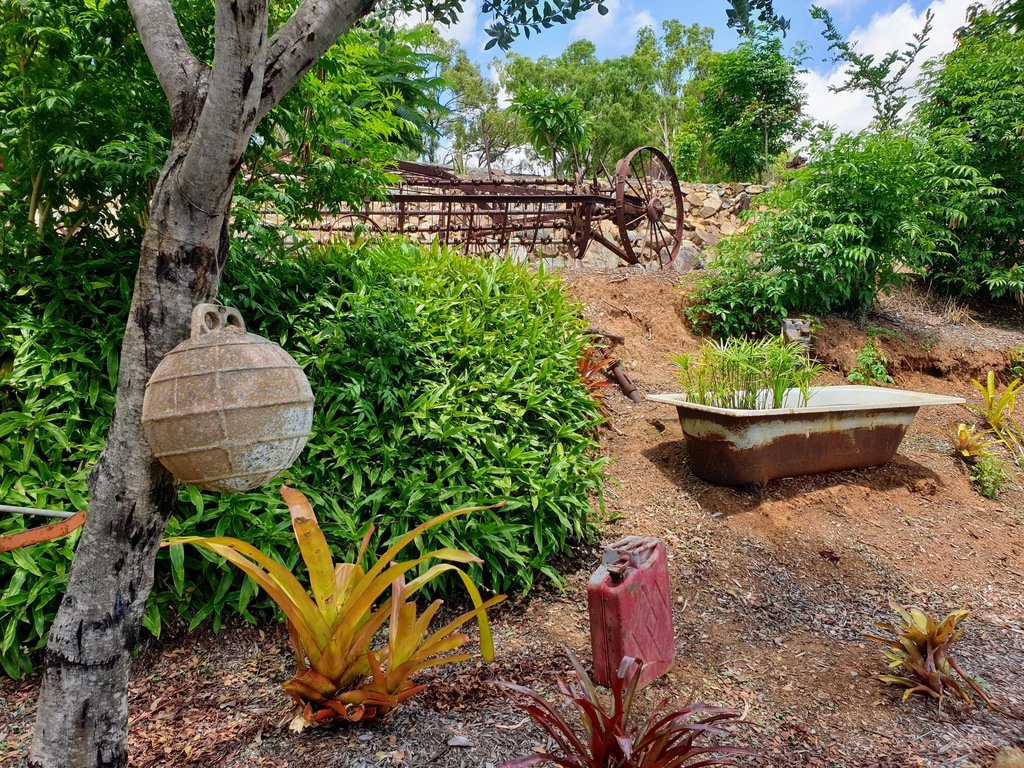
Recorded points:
871,366
868,213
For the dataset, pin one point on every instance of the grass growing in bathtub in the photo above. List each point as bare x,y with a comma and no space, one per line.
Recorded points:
745,374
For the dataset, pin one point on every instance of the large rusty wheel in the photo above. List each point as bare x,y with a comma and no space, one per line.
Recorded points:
651,230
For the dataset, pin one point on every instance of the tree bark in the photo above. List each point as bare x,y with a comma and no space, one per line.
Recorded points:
83,704
82,714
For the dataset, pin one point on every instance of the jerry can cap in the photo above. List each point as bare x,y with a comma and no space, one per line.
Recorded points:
626,554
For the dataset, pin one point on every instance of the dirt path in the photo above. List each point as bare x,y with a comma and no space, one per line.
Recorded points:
773,587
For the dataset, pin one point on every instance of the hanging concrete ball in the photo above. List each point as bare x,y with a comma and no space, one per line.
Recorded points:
226,410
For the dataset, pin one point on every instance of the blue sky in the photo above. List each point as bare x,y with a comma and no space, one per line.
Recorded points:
877,25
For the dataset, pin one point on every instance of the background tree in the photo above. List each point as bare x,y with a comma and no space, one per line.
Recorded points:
555,126
884,85
971,108
439,53
670,63
81,121
480,127
614,94
750,104
686,153
741,18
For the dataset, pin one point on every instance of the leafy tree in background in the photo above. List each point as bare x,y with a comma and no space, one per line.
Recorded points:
741,17
440,116
629,101
884,85
480,127
686,153
554,124
750,104
1011,13
81,121
612,94
330,140
670,64
464,119
971,106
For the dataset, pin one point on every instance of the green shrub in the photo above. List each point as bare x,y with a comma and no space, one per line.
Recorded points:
868,213
439,381
971,107
686,151
871,366
989,475
60,331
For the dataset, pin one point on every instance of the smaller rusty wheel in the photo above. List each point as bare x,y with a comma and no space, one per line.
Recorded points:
651,230
579,225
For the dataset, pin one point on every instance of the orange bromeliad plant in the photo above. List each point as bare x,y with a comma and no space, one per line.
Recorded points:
340,676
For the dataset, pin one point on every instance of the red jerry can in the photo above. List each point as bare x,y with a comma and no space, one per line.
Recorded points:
631,609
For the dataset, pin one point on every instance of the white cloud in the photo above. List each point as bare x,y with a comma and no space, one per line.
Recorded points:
840,6
614,32
885,32
464,31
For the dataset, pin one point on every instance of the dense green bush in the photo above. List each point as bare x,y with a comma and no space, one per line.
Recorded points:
59,341
868,213
439,382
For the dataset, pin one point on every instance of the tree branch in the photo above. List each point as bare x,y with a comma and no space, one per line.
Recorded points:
304,38
229,113
176,67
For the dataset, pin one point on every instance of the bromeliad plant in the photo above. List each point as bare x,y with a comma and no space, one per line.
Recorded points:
969,442
605,737
997,409
920,649
594,366
979,448
340,675
745,374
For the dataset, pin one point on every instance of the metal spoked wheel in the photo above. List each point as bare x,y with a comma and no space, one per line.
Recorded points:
648,207
579,225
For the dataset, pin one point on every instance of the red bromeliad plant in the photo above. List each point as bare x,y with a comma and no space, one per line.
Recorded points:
340,675
605,738
594,366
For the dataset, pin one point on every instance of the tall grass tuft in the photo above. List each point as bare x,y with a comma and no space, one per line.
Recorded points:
745,374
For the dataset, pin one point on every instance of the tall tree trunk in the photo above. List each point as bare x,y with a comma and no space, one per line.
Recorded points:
766,164
83,704
82,713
